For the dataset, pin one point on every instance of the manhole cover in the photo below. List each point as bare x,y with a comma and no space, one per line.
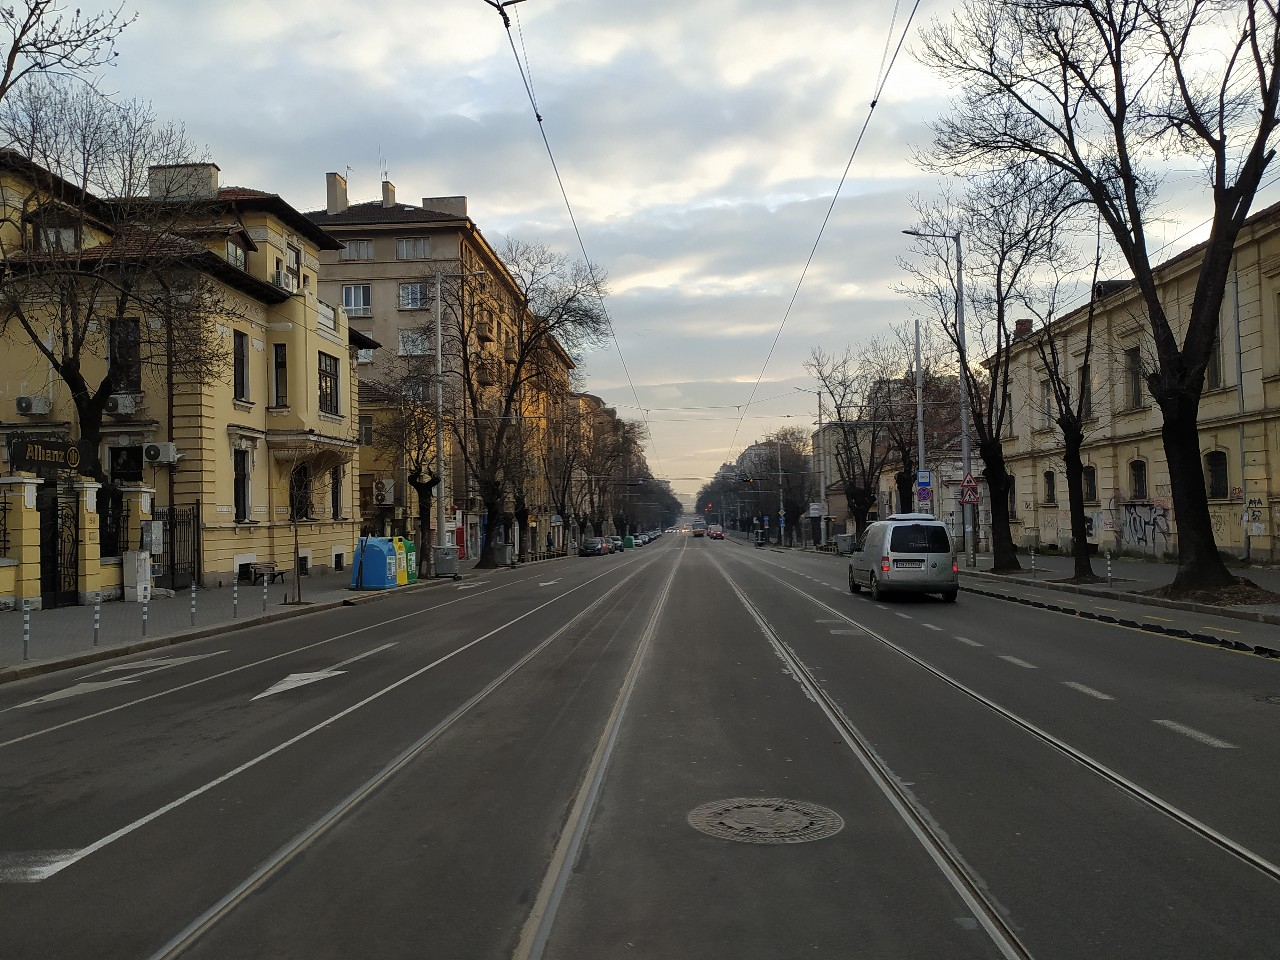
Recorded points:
765,820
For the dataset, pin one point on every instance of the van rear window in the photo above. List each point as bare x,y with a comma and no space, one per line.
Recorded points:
920,538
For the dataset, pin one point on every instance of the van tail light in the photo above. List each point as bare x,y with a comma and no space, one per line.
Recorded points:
884,564
955,566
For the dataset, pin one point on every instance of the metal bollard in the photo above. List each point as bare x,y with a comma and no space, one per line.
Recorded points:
193,603
264,594
1033,562
235,598
97,616
26,628
1108,568
145,601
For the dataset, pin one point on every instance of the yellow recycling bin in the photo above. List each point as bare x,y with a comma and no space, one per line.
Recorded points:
402,562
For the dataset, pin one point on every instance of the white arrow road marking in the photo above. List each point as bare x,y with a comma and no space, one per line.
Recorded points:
155,663
302,679
137,669
466,586
88,686
550,582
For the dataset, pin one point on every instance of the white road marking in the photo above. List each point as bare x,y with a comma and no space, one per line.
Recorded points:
1152,616
1194,734
830,621
904,616
1088,691
466,586
972,643
137,669
27,866
1019,663
87,686
302,679
551,582
933,627
1221,629
155,663
845,633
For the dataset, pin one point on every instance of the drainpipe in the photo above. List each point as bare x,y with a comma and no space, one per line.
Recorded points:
1244,482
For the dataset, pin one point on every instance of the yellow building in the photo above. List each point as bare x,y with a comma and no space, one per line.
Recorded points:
225,385
1126,485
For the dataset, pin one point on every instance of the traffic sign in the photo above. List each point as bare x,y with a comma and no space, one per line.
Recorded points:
923,478
924,494
969,495
969,484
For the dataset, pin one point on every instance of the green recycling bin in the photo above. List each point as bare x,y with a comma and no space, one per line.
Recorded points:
411,559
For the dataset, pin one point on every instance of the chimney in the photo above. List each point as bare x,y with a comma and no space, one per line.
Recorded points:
388,193
183,181
1022,328
453,206
335,188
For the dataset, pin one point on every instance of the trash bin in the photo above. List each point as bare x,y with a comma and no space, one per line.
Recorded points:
446,561
402,568
375,565
844,543
502,554
411,560
628,542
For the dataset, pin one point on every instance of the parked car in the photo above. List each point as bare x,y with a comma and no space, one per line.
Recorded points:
908,553
592,547
617,544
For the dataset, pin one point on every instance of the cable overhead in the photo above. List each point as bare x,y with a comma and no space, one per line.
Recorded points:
883,81
500,7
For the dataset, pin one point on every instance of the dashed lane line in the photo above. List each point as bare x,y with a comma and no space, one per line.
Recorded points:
1087,691
1018,663
1197,735
933,626
972,643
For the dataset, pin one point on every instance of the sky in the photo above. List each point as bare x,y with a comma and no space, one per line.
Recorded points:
700,145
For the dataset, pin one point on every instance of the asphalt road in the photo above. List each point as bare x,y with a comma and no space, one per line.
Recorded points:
512,767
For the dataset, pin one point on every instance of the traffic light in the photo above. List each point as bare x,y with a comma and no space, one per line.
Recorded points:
708,508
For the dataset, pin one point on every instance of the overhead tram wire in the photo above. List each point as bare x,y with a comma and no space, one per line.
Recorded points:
883,81
500,6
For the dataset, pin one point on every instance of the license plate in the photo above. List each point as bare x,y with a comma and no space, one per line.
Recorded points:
909,564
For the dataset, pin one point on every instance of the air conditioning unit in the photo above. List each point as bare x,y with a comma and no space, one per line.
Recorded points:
286,281
33,406
122,405
161,453
384,493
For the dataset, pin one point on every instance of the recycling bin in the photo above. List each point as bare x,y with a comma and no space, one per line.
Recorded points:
402,566
411,560
446,561
375,565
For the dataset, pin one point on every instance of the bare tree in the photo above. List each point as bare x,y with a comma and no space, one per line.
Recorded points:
42,39
1106,92
104,267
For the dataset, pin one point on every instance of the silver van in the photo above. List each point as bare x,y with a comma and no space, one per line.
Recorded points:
908,553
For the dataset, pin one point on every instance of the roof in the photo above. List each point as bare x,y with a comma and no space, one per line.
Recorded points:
373,212
246,198
357,339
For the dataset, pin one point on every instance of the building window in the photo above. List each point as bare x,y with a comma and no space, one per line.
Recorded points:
280,374
235,254
241,469
1089,481
1133,377
1138,480
1086,393
1047,403
126,354
300,492
335,493
53,238
357,250
125,464
364,355
1013,498
413,248
291,260
357,299
1213,371
1050,487
241,360
414,296
1215,474
366,430
415,343
328,370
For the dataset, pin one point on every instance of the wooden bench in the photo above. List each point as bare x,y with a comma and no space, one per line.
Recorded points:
261,572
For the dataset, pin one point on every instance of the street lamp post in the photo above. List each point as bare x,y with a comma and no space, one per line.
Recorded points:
966,511
822,466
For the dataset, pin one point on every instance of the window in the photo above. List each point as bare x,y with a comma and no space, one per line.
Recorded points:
366,430
1013,499
280,374
126,354
415,343
364,355
241,361
1138,480
1086,393
241,470
920,538
414,296
1133,377
1215,474
126,464
1213,371
300,493
235,254
1047,403
413,248
335,493
357,299
1089,483
1050,487
357,250
291,258
328,384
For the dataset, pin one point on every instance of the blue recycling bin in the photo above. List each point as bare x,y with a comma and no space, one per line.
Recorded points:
375,566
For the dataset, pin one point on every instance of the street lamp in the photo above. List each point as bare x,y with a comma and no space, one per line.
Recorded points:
964,385
822,461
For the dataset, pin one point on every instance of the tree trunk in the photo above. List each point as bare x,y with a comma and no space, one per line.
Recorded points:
1073,439
424,490
493,517
902,480
1200,566
1004,556
522,526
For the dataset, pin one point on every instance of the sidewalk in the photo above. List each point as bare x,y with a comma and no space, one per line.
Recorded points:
63,637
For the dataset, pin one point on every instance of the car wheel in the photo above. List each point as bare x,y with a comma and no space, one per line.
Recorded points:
854,585
876,592
949,596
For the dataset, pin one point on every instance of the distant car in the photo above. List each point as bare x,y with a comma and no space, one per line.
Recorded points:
617,544
592,547
716,534
908,553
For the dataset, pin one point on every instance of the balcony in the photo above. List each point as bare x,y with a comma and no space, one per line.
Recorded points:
327,316
510,353
484,331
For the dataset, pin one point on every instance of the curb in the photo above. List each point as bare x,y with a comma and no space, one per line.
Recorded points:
39,668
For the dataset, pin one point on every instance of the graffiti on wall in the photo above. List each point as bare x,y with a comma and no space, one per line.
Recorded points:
1147,524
